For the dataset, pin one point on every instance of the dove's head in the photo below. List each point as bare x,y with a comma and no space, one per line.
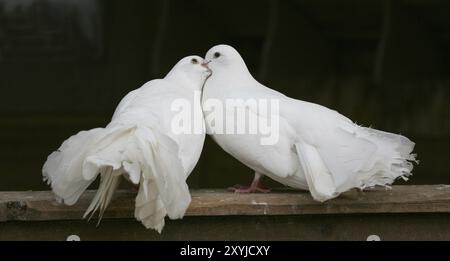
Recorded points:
191,71
224,58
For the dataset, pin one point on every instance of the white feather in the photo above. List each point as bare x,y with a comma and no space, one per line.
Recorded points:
140,145
318,148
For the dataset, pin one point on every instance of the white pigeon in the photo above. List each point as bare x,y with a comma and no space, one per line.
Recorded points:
140,145
318,149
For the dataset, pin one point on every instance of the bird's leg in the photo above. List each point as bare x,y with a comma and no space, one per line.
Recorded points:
256,186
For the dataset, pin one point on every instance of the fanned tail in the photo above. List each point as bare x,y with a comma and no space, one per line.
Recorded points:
394,159
356,157
143,155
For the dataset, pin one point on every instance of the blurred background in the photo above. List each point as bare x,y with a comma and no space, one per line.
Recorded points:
65,65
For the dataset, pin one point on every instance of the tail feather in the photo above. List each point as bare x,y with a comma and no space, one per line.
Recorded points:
143,155
149,207
163,166
63,167
108,184
355,158
394,159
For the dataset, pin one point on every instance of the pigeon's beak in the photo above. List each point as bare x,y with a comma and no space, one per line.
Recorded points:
205,64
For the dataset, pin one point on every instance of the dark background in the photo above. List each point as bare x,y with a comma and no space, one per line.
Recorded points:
65,65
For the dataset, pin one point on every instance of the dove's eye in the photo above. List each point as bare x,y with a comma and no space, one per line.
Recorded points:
216,55
194,61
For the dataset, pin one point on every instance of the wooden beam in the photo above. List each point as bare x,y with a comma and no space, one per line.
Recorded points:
416,226
41,206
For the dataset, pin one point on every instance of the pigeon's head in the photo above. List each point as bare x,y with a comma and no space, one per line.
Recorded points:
190,69
224,57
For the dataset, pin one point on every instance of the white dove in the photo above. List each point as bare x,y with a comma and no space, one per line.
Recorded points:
318,149
139,144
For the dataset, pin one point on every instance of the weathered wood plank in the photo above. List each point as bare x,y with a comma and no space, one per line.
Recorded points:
414,226
40,205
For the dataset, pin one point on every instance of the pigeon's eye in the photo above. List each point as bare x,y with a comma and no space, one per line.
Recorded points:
216,55
194,61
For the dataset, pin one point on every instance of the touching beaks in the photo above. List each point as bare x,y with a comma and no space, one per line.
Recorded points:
205,64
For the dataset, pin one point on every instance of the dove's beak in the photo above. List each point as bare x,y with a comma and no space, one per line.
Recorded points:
205,64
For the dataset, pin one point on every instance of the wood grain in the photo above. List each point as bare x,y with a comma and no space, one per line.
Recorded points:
40,205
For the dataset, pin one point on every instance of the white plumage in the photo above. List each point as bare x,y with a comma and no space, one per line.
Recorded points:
139,144
318,149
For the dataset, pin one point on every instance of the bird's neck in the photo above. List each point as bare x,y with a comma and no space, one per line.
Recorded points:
182,79
233,76
240,70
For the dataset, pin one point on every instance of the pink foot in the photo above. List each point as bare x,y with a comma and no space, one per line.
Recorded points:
249,189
